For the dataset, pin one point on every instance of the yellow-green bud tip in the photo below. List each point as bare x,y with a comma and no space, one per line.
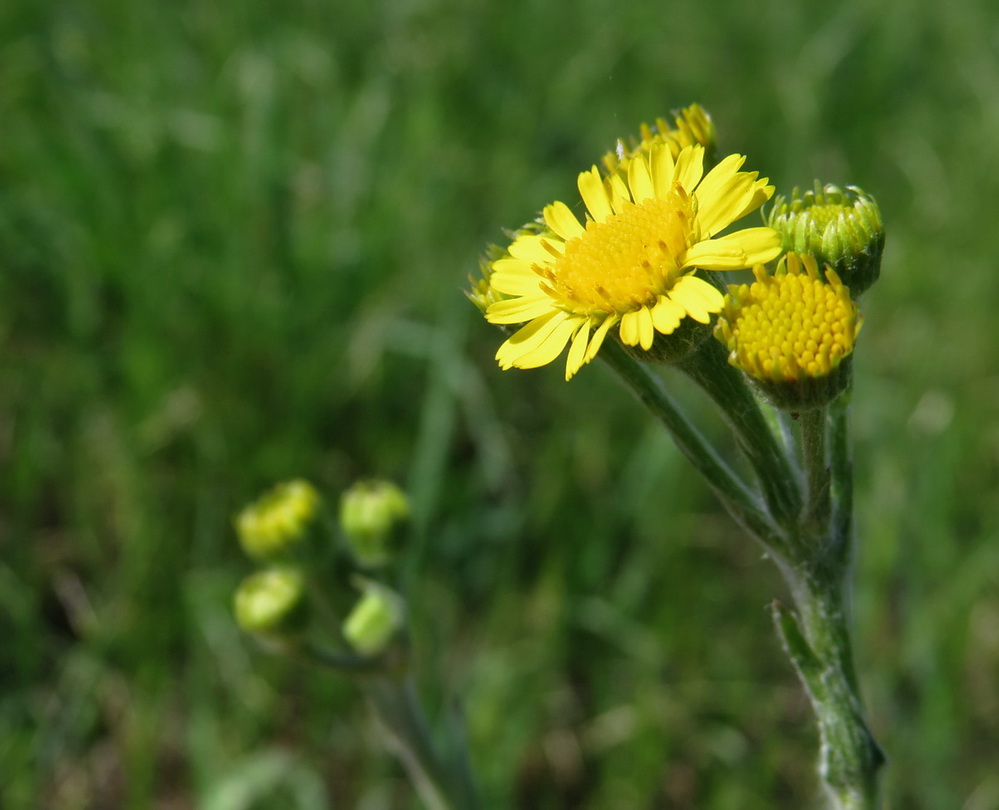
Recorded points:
271,603
792,332
275,522
369,511
841,228
376,618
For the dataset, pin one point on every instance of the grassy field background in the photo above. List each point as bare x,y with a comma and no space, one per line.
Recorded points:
233,239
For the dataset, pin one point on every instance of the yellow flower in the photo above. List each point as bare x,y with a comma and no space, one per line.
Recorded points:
791,332
632,264
692,125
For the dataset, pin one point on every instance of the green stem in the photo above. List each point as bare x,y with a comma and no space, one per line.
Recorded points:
817,471
818,643
841,470
742,504
708,366
397,707
818,638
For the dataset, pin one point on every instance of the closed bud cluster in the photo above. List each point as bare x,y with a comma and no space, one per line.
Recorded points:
270,526
369,511
793,333
375,619
840,228
691,125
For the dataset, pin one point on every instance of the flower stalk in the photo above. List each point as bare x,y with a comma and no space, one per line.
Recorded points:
813,552
440,784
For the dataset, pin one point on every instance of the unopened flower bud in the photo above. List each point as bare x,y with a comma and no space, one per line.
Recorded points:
271,603
369,511
840,228
274,523
375,620
792,333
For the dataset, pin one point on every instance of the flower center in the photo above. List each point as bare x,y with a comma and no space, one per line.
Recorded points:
626,261
796,316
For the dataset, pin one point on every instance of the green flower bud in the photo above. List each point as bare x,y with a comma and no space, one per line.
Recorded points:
375,620
841,229
271,604
792,333
369,511
274,523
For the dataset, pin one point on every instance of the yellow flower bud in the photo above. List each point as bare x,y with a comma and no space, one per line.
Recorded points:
375,620
275,522
271,603
369,511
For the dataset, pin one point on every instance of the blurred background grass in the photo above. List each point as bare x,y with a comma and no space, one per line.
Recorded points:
233,239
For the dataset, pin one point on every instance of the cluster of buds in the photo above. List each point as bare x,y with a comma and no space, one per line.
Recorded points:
279,532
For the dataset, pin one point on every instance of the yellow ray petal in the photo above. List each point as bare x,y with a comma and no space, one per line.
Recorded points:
662,168
666,315
726,169
528,338
640,180
637,329
735,251
591,189
577,351
689,167
620,196
547,349
533,249
598,338
697,297
519,310
561,220
516,284
515,267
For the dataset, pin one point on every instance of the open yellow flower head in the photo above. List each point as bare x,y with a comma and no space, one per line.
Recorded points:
841,228
792,332
275,522
691,125
631,265
375,619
